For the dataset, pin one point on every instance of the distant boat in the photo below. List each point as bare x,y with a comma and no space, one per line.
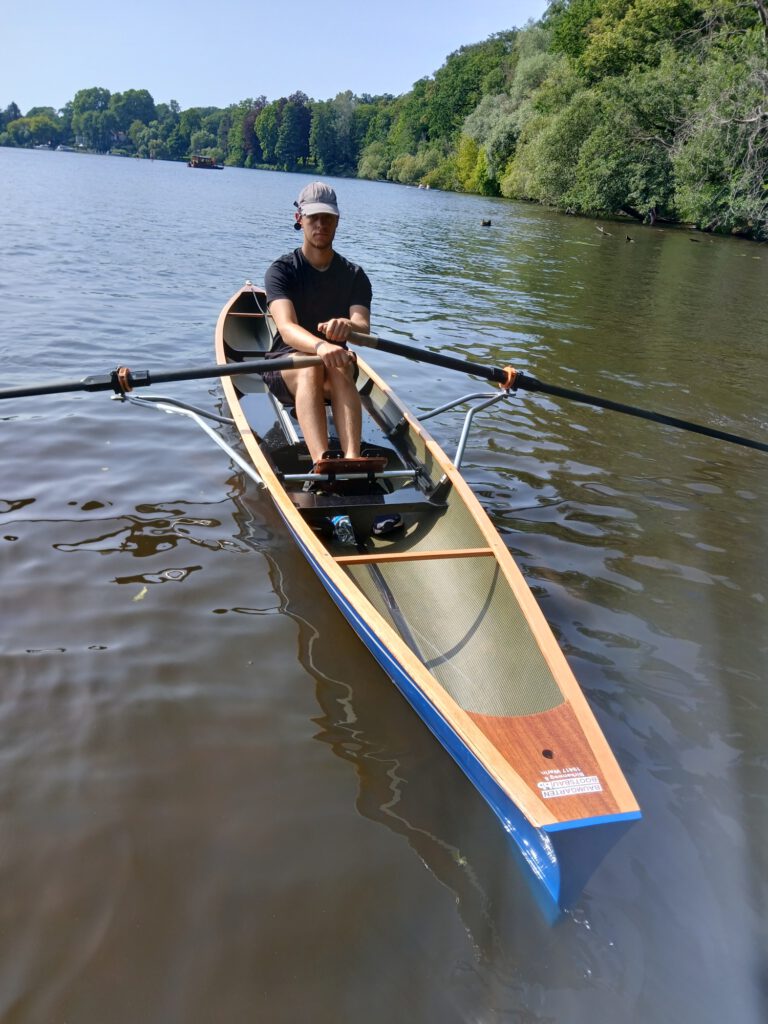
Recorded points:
207,162
65,149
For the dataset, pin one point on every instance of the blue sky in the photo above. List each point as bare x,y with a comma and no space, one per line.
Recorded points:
218,52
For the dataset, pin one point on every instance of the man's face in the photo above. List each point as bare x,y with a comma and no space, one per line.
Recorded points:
319,229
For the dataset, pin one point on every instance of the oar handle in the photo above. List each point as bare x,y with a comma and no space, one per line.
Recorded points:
493,373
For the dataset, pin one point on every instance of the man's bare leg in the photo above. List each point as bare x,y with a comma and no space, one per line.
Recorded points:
311,388
308,388
347,413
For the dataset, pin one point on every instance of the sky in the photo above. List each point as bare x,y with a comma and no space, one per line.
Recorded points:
219,52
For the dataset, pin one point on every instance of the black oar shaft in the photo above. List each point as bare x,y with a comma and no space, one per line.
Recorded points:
526,383
435,358
121,380
515,380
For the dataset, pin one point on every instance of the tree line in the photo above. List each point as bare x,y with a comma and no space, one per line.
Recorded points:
655,109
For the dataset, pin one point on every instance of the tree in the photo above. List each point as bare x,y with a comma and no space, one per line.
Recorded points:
721,154
570,21
461,82
38,130
323,138
243,147
292,144
95,98
374,161
45,111
410,168
337,133
148,140
132,105
625,164
11,113
92,121
95,129
201,141
547,154
409,118
267,128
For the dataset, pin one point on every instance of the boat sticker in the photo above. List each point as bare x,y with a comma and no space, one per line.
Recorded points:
568,782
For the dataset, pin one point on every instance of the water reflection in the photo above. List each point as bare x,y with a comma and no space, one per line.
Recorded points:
155,529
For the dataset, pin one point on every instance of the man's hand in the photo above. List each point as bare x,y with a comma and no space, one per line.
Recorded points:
333,354
337,329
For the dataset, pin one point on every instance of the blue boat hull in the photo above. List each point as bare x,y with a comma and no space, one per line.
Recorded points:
559,859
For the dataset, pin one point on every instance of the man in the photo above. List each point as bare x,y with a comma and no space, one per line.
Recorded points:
316,297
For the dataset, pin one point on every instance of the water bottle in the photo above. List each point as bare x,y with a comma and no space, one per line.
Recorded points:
342,530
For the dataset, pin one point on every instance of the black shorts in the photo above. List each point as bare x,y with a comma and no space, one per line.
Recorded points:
277,386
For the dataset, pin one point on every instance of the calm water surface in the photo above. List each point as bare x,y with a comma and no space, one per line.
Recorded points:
214,807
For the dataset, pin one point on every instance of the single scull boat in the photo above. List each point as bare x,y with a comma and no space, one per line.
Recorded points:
443,608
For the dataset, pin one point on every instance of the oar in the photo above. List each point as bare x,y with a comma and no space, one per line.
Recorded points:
123,380
513,379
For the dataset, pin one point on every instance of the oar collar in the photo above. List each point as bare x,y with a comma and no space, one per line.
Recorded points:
511,378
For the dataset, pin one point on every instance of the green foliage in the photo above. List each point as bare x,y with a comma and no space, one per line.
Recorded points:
267,127
494,126
471,167
148,140
570,23
337,133
409,118
496,122
243,146
11,113
410,169
47,111
132,105
461,82
95,99
445,175
292,144
374,161
627,35
626,161
721,156
37,130
544,165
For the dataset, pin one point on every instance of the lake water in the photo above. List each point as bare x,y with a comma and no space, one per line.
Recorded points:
214,807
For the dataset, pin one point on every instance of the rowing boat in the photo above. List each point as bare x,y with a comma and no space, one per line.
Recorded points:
443,608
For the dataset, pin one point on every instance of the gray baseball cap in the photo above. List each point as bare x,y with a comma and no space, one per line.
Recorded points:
317,198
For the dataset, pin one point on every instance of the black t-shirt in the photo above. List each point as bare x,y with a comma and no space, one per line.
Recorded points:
317,295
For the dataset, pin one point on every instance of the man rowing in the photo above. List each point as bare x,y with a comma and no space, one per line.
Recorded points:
316,297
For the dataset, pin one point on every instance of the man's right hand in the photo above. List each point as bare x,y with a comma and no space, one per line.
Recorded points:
333,355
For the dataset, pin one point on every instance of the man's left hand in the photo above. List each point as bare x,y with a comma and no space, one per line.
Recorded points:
337,329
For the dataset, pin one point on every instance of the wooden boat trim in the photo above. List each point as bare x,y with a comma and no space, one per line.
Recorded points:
412,556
